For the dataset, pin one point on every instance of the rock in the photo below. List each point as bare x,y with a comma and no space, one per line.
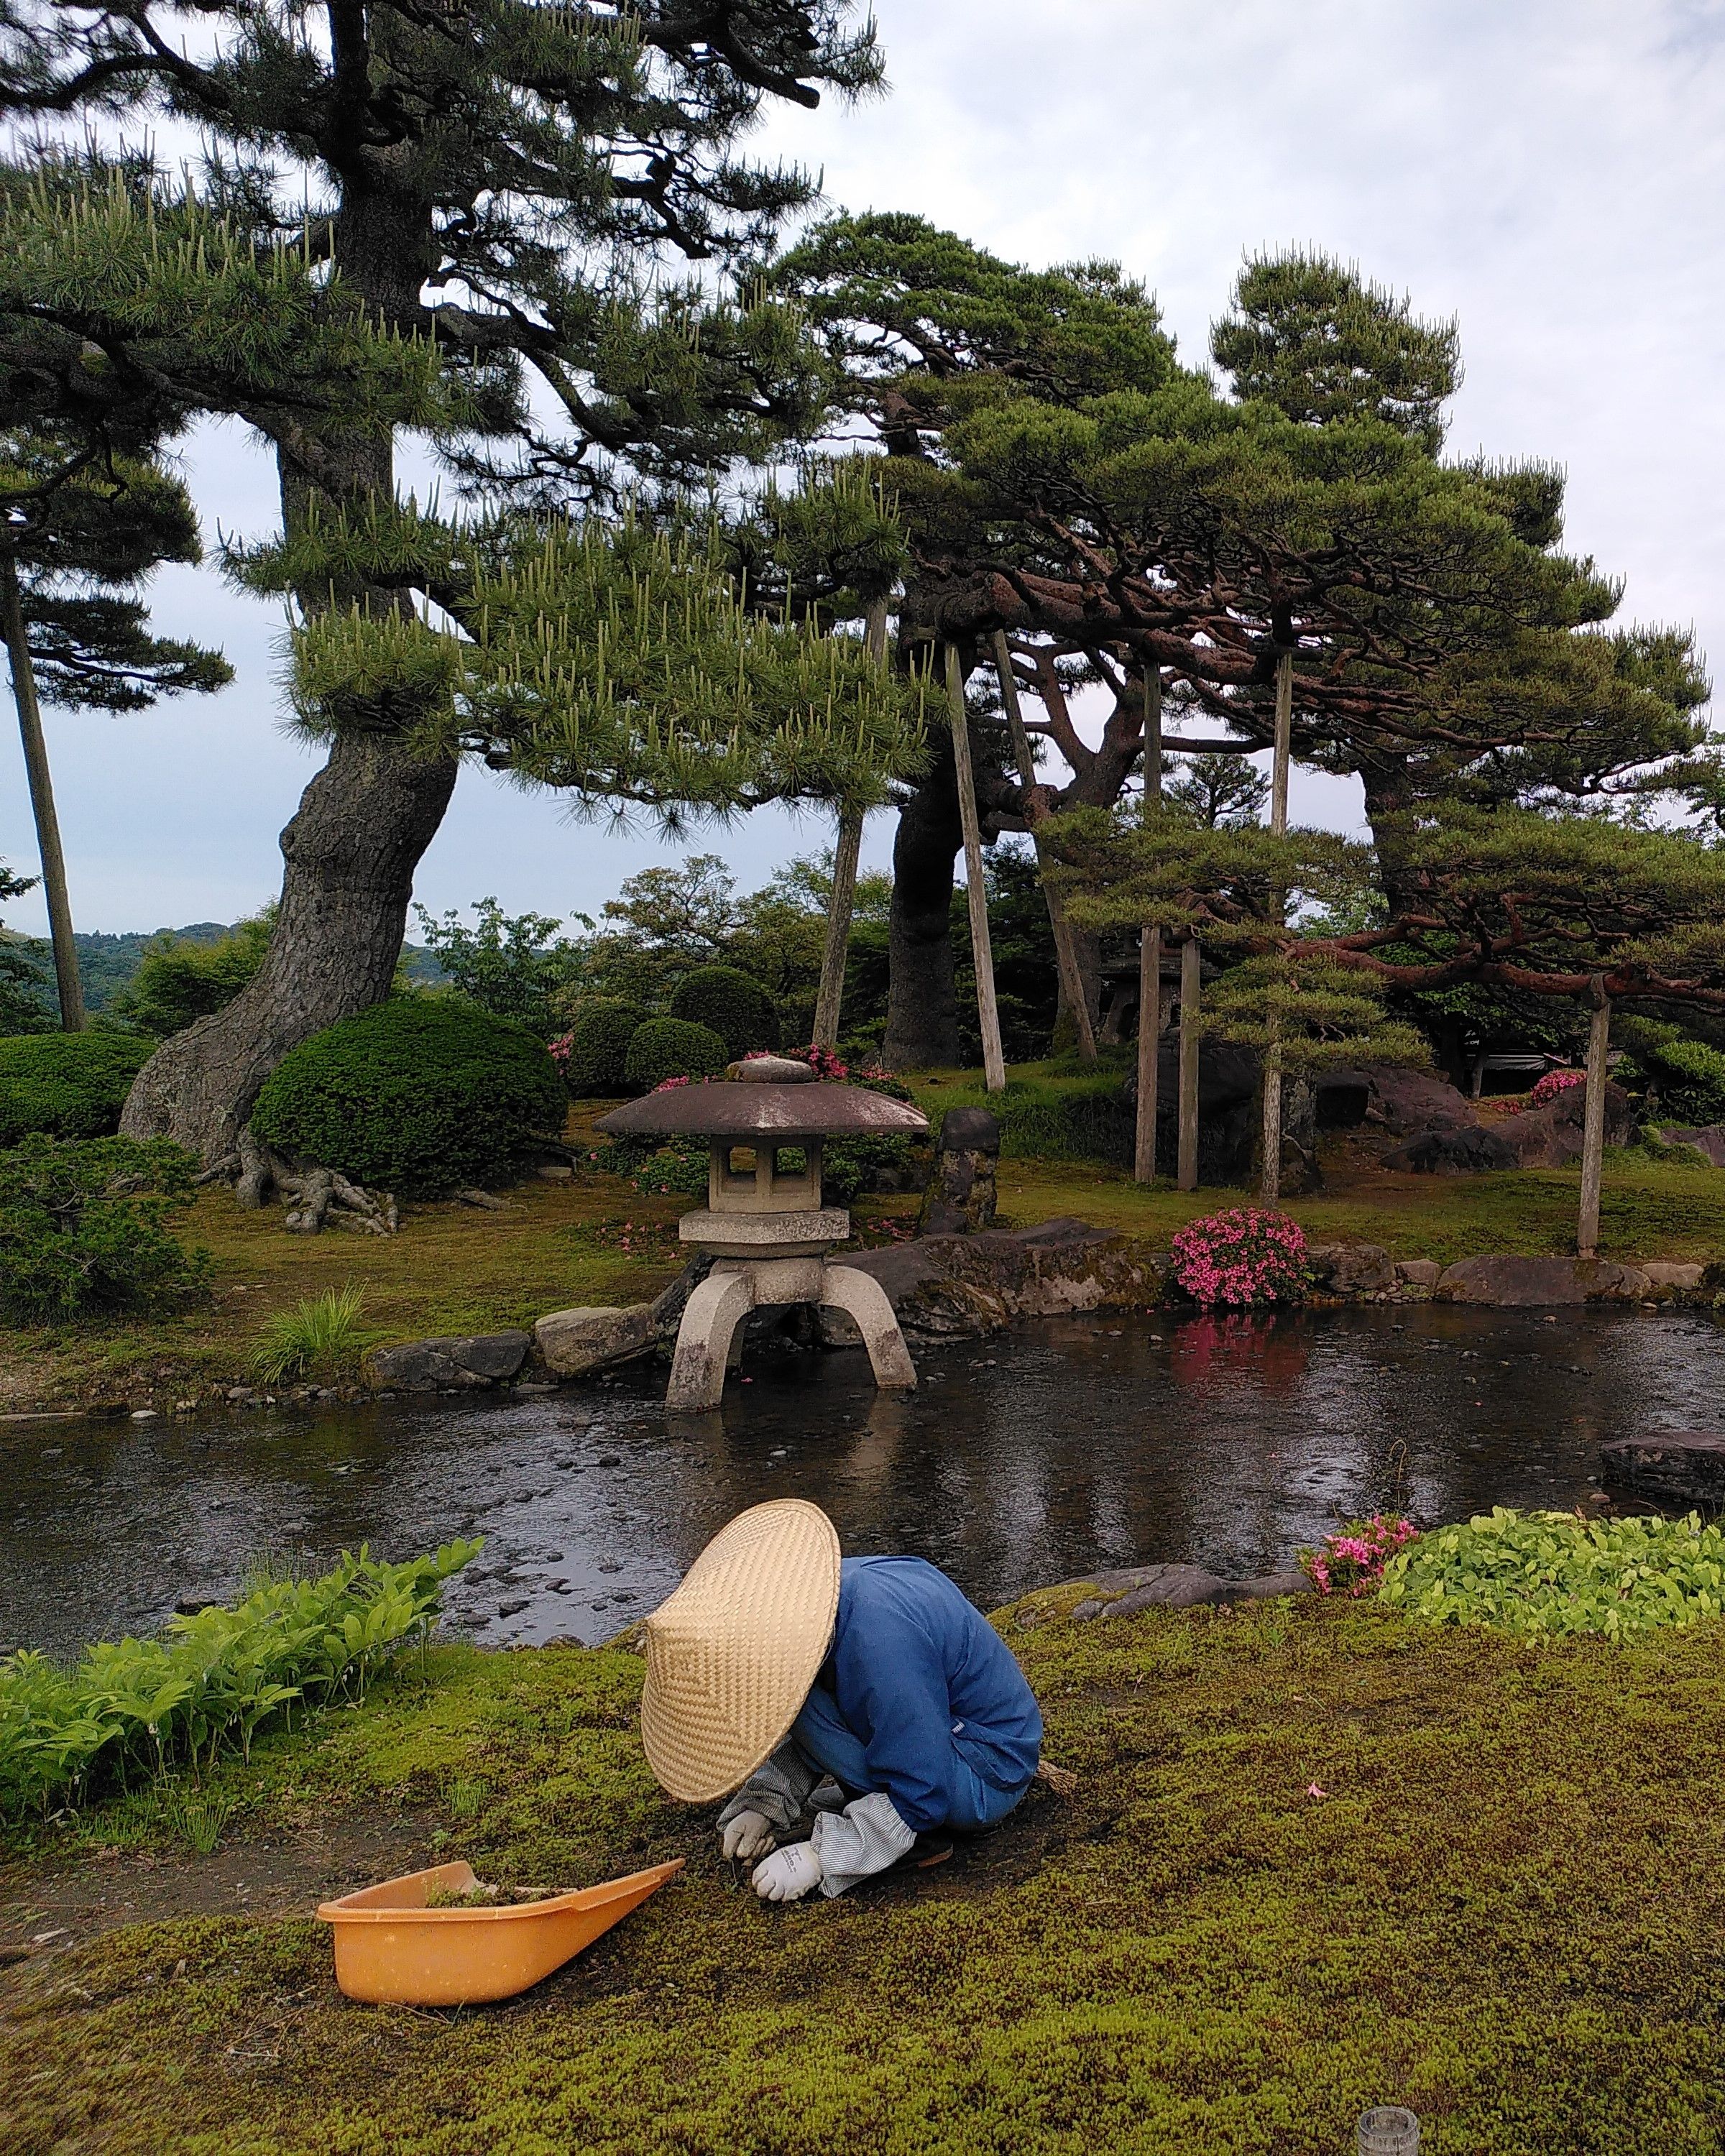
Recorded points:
1504,1283
1669,1279
465,1364
1124,1592
1229,1120
1353,1268
1687,1464
947,1287
554,1174
1551,1136
960,1197
1419,1272
1404,1102
1455,1149
572,1342
1708,1139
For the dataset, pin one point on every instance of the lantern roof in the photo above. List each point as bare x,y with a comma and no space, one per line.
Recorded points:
744,1108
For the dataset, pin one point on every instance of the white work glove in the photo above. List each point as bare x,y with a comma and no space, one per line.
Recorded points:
789,1873
746,1836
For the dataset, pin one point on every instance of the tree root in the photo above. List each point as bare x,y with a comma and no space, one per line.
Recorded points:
314,1197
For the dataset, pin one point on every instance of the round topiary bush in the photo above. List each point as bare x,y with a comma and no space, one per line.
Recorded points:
418,1095
593,1053
733,1004
67,1085
673,1047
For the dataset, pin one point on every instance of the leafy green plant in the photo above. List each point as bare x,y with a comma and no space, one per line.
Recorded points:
67,1085
133,1709
593,1053
512,965
198,1816
82,1228
321,1336
182,978
1545,1574
733,1004
673,1047
418,1095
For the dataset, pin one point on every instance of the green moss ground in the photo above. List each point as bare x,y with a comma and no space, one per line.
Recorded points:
1507,1909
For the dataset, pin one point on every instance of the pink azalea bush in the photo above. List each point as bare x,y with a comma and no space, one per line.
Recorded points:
1555,1082
1351,1562
558,1051
1243,1257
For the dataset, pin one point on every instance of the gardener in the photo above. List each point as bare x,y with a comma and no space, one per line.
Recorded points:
866,1692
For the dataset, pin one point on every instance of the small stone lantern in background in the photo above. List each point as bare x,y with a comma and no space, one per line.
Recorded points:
763,1225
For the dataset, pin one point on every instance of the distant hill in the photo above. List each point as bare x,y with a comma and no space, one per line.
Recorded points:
106,963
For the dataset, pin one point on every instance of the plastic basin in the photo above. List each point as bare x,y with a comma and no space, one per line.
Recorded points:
392,1950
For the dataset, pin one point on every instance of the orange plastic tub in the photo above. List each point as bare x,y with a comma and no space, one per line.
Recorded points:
392,1950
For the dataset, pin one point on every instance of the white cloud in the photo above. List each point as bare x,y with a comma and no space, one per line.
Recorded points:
1550,172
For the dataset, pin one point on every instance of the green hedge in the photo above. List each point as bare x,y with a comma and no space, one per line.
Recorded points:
1049,1118
419,1094
596,1057
673,1047
733,1004
67,1085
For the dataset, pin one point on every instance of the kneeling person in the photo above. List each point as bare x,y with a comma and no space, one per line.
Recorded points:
865,1690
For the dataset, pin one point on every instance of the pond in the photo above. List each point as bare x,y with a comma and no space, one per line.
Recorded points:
1052,1450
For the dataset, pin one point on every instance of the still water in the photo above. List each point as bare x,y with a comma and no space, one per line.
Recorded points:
1046,1452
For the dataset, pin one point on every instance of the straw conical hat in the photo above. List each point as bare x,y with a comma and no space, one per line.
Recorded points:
732,1653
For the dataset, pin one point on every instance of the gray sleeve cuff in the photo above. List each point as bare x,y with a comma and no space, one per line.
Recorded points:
862,1840
777,1789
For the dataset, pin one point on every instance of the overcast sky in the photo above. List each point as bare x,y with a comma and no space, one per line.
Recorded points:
1548,170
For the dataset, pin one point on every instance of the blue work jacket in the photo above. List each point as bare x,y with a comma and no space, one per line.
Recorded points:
919,1674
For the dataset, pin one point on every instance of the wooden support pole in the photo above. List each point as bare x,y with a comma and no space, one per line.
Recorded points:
1270,1144
976,890
1072,988
1593,1127
841,904
1190,963
1149,958
48,825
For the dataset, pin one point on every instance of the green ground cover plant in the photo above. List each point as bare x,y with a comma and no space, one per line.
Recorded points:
418,1095
134,1709
322,1336
67,1085
1541,1575
1319,1856
84,1229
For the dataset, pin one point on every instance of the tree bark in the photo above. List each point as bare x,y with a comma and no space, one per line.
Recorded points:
976,888
1270,1172
1592,1126
17,636
921,1007
1191,961
349,854
842,904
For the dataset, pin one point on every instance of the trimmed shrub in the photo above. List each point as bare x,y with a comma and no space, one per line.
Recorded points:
1691,1079
673,1047
419,1094
593,1053
82,1228
734,1005
67,1085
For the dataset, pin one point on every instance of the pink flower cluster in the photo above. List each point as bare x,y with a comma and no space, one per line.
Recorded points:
1241,1258
1555,1082
558,1050
1352,1561
669,1085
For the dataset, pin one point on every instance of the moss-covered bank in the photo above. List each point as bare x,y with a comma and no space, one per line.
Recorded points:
1318,1857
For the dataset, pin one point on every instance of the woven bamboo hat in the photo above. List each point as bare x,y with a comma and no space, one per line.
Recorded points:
732,1654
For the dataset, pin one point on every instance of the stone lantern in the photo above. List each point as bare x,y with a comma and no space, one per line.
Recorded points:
763,1225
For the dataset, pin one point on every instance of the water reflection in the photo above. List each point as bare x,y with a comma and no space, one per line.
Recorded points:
1070,1444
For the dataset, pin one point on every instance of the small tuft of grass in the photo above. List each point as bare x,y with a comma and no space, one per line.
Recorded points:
198,1816
322,1336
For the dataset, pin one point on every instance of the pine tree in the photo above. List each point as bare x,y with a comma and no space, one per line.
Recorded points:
494,185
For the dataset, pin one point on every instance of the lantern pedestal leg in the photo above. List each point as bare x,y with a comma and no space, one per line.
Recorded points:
864,1301
711,1320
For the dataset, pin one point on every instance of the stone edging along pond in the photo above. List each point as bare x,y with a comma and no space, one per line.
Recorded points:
947,1287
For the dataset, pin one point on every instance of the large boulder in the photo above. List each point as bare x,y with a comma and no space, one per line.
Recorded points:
1551,1136
1352,1268
1454,1149
960,1197
1506,1283
1403,1102
465,1364
572,1342
1228,1115
1125,1592
945,1286
1686,1465
1708,1139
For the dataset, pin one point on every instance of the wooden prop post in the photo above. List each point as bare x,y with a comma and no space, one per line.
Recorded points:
48,824
1149,957
842,904
1270,1179
1593,1128
1072,988
976,891
1190,962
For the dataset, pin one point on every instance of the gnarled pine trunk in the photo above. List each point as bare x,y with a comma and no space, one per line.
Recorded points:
921,1009
349,856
